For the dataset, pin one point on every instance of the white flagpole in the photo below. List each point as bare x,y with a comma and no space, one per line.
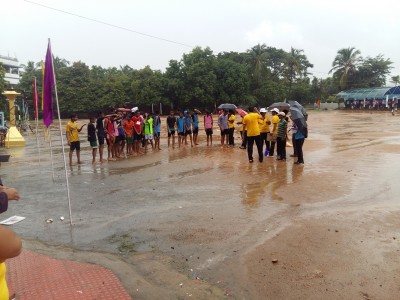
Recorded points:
62,141
51,155
36,108
37,137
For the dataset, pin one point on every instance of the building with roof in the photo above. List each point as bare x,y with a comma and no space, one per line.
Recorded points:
12,68
371,98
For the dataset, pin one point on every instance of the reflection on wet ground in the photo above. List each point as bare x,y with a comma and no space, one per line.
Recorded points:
203,201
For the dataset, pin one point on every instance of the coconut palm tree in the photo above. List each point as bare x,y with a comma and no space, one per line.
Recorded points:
395,80
256,59
345,64
296,65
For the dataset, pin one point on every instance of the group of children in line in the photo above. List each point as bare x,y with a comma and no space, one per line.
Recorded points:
130,134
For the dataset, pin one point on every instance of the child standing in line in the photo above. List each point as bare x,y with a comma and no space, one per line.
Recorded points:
92,137
157,130
208,126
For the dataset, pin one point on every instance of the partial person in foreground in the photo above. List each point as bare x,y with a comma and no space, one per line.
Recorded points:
10,243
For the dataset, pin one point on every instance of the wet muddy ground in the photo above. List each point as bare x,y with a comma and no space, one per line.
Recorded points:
204,223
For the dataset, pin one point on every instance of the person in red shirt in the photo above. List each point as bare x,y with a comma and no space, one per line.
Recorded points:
128,129
137,132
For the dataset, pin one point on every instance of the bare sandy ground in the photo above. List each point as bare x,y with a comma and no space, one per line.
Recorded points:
203,223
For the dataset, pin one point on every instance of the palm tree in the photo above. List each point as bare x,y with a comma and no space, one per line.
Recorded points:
395,80
296,64
256,59
345,63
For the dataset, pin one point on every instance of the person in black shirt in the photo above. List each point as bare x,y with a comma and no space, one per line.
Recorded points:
92,138
171,126
100,134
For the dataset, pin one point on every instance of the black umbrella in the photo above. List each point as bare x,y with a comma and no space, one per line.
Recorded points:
228,106
299,120
299,106
279,105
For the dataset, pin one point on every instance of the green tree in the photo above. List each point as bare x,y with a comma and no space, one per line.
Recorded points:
147,87
173,83
373,71
232,81
256,60
345,65
297,65
199,79
395,80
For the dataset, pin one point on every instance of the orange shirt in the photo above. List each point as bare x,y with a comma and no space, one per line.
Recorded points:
128,127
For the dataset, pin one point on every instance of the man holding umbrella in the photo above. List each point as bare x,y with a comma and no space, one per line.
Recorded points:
299,119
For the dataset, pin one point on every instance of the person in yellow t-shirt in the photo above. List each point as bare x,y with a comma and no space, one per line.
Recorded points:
253,133
264,129
231,127
72,132
274,130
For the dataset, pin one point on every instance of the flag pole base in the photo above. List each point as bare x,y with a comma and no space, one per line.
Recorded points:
14,138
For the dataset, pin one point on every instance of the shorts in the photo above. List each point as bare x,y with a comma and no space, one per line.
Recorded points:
225,132
157,135
75,146
129,140
209,131
137,137
188,132
100,137
196,130
171,132
148,137
181,133
120,138
93,144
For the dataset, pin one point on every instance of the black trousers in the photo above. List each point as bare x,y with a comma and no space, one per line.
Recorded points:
281,147
231,136
250,143
299,149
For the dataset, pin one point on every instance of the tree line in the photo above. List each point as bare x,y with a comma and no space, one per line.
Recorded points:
260,76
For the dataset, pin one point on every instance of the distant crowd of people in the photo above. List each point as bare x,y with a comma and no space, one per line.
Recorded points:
131,133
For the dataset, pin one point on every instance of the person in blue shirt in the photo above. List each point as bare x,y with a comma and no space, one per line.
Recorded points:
157,130
298,140
195,118
188,128
180,122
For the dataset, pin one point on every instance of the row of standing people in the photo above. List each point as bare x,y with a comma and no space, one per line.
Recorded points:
140,130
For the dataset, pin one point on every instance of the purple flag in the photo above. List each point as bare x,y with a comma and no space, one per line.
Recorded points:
48,88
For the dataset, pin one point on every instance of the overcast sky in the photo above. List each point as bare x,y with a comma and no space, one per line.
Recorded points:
320,28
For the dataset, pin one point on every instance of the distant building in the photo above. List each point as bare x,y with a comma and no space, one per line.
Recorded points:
12,67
